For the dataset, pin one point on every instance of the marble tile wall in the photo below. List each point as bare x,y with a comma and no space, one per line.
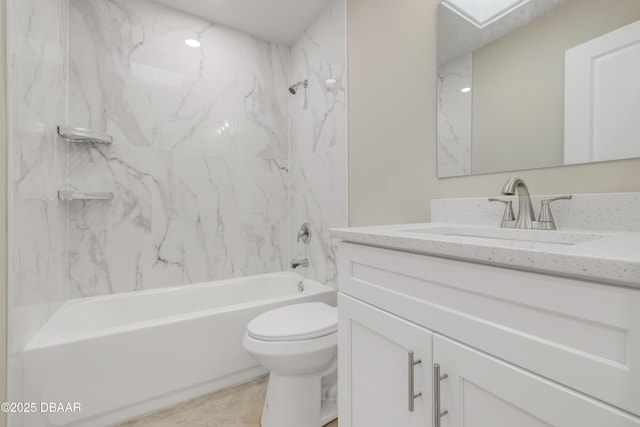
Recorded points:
454,117
317,138
199,163
37,103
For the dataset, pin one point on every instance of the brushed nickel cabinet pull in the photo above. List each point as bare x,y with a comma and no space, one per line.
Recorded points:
412,394
437,412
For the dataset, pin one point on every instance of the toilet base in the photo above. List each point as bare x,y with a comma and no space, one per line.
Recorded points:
297,401
329,411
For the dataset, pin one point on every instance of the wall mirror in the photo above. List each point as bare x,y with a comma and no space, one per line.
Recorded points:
525,84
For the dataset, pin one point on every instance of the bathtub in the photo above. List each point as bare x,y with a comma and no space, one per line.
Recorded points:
112,358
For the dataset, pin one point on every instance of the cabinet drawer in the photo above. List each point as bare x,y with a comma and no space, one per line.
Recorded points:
582,334
482,391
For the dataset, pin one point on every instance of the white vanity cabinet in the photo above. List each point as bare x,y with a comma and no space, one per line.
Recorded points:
383,354
518,348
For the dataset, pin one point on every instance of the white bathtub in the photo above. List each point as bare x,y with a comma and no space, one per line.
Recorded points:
125,355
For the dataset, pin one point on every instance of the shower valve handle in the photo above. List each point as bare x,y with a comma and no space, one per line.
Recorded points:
305,233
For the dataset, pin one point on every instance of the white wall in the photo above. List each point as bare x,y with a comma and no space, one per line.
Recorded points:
391,109
392,115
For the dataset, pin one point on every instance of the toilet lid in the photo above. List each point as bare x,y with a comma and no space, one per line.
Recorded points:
295,322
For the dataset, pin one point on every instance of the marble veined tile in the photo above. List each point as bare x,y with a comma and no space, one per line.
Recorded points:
203,196
38,261
454,117
225,96
109,241
199,166
37,100
265,95
196,99
318,150
110,68
318,196
216,216
318,115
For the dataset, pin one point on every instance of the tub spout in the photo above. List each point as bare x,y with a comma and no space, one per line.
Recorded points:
295,263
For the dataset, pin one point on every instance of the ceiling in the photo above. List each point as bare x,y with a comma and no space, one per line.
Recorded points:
482,12
458,35
280,21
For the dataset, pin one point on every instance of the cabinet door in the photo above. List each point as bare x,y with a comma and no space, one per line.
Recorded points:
374,368
482,391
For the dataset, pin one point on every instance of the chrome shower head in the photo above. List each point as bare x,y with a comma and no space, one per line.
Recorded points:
294,88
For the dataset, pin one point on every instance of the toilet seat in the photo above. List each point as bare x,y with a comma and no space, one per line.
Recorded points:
295,323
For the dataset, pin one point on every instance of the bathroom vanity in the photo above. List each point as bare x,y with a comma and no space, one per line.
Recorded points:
474,325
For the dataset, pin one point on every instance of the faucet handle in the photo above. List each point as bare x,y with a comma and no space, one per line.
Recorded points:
546,218
508,211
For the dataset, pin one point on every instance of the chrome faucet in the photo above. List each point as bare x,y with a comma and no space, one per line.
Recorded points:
295,263
516,186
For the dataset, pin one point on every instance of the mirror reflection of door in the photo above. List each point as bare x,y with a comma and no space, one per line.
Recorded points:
602,88
501,84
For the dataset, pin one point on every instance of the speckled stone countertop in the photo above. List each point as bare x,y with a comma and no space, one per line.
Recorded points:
611,257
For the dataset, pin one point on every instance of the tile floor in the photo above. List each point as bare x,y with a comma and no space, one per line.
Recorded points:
239,406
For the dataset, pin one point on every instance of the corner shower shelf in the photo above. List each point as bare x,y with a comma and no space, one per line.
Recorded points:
82,135
79,195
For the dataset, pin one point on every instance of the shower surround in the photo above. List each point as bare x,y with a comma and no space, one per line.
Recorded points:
199,166
211,167
214,164
318,141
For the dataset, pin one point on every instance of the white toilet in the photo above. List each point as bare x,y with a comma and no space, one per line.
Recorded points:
298,345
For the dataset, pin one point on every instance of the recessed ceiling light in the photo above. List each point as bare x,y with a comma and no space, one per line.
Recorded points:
192,43
465,89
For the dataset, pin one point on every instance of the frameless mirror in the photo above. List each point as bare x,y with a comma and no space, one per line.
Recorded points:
525,84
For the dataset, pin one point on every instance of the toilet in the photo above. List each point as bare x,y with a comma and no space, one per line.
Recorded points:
298,345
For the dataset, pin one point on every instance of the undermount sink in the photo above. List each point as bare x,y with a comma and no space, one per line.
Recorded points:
511,234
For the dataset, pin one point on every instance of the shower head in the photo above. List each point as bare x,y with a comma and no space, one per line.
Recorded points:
294,88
